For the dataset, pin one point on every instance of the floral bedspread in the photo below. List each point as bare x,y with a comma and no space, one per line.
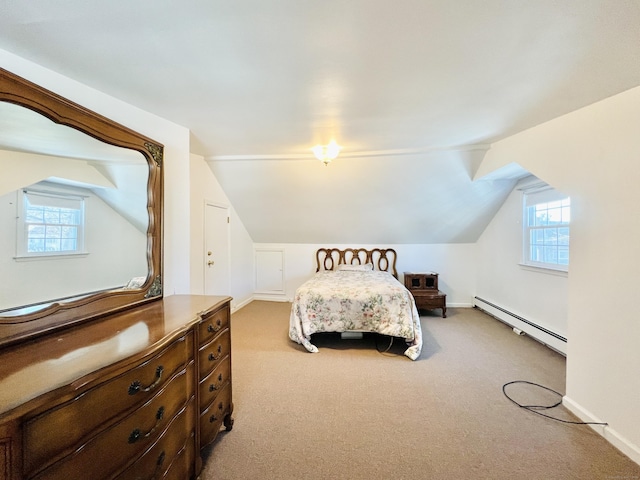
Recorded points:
370,301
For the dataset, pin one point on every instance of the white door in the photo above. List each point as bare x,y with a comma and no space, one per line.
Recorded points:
269,271
216,250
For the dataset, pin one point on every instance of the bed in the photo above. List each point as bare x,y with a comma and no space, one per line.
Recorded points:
355,290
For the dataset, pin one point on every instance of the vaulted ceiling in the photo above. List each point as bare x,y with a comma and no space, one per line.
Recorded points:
414,91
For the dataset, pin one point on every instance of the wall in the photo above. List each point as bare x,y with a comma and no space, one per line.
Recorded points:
175,165
115,248
205,187
535,294
454,262
379,199
593,155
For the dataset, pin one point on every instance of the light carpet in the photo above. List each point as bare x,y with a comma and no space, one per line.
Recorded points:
351,412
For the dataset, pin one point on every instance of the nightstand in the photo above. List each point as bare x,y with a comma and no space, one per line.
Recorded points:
424,288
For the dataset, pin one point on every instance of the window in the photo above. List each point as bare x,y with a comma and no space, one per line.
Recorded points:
547,216
50,224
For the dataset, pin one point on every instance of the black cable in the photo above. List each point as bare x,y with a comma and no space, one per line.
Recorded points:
387,349
535,408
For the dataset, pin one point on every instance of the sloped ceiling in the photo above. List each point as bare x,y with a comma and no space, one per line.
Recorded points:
411,198
407,87
35,149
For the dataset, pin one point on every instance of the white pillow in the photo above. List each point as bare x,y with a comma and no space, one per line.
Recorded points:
367,267
135,282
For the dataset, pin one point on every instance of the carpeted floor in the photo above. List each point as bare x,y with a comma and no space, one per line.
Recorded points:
351,412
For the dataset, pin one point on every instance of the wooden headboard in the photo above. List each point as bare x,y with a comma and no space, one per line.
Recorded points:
383,259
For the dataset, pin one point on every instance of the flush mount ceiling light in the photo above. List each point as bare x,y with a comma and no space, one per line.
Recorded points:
326,153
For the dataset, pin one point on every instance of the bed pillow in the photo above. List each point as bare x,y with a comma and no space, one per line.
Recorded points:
135,282
367,267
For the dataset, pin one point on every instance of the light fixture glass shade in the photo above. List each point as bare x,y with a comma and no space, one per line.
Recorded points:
326,153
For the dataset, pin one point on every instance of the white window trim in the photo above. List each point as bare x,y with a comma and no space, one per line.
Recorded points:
49,256
525,263
21,251
560,272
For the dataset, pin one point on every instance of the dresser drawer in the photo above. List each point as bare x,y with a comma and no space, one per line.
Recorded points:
213,352
129,437
214,323
211,419
9,451
171,456
183,465
61,429
215,381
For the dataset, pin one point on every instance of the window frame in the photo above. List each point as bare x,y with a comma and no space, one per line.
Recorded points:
543,194
22,225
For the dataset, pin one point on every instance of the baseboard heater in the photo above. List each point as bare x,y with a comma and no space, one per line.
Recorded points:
522,325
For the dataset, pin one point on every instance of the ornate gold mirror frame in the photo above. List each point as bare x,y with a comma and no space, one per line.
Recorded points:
29,321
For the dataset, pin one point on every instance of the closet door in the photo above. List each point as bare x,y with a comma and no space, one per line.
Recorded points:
270,271
216,250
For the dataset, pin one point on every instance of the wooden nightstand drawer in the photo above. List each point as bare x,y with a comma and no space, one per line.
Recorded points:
431,301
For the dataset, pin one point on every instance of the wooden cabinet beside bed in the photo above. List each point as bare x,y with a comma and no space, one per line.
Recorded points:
424,288
134,395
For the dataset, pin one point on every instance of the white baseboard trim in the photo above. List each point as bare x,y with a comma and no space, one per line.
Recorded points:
459,305
270,297
244,303
612,436
545,336
263,297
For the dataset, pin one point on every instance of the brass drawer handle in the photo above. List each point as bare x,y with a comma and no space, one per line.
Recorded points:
213,387
213,357
136,434
213,418
212,329
136,386
158,470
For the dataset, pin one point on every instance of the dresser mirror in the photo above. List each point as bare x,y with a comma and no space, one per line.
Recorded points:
80,207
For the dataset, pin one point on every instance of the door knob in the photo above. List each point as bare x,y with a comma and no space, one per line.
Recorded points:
210,262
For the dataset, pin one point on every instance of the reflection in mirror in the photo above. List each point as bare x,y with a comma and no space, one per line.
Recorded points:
73,212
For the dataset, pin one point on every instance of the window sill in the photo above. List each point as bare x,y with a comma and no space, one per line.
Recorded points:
31,258
547,270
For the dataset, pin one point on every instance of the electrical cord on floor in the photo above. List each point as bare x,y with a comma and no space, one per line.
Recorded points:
535,408
387,349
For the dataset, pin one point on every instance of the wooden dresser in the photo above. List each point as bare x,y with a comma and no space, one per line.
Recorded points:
134,395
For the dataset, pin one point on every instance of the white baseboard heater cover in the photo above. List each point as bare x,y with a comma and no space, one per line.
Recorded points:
522,325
